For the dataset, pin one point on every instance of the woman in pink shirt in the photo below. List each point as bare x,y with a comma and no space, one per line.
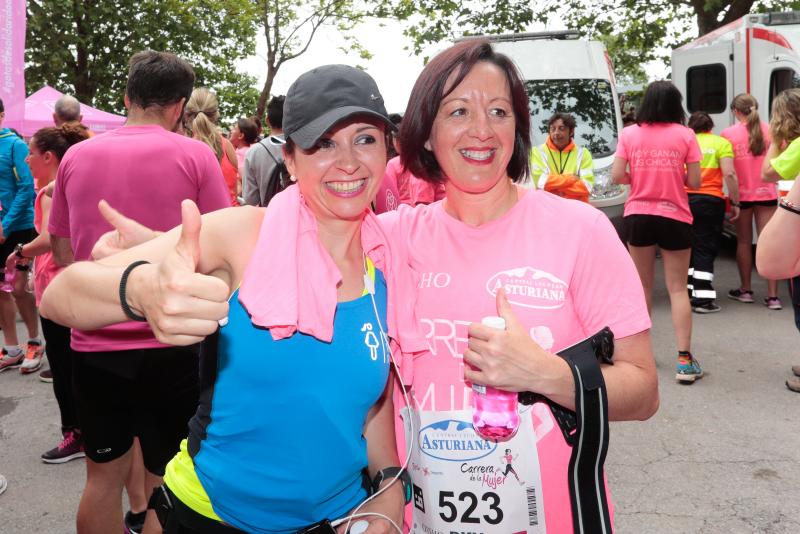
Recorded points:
758,199
47,147
553,268
662,156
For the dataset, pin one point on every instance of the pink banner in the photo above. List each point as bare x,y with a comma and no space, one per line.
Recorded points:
12,61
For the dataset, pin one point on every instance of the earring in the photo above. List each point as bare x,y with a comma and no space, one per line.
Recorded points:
292,178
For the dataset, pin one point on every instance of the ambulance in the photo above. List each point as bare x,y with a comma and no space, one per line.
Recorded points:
757,54
565,73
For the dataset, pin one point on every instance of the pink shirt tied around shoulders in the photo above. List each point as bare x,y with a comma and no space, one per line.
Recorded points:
748,167
290,281
657,155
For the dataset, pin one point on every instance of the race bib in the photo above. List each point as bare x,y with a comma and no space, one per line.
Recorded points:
463,483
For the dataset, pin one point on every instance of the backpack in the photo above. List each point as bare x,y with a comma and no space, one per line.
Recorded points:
278,178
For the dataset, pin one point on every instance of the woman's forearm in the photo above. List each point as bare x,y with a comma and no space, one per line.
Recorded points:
86,295
778,250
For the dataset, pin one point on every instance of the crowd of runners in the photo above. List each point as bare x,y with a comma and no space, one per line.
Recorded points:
308,366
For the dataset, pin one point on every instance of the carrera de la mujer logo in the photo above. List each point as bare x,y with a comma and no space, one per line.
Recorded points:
530,288
453,441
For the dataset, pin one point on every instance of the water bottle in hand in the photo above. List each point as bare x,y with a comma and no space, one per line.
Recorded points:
495,415
8,278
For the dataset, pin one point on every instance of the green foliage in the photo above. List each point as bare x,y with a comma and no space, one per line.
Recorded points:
433,21
290,26
83,47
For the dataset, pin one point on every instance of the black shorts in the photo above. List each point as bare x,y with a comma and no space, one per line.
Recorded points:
747,204
153,400
649,230
12,240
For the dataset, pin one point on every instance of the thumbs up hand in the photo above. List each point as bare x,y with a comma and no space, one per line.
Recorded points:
509,359
127,233
181,305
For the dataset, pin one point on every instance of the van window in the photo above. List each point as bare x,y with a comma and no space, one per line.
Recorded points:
779,80
590,101
706,88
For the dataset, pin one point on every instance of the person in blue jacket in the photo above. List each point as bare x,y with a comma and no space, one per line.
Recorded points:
16,228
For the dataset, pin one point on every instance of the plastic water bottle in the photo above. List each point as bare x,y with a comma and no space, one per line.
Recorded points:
8,279
495,414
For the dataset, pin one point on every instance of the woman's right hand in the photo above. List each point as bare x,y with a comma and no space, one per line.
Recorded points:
181,305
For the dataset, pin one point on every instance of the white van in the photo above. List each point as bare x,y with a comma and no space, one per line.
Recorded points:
565,73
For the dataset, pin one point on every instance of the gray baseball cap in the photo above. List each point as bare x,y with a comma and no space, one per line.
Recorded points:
324,96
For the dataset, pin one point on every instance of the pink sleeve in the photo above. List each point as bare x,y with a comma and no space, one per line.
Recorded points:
605,285
622,147
58,225
693,155
212,193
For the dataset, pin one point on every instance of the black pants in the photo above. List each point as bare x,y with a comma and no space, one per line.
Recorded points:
709,213
794,292
60,356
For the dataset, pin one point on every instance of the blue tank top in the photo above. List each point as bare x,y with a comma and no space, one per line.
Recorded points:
277,439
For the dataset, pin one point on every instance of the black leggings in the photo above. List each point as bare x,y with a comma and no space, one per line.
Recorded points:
61,359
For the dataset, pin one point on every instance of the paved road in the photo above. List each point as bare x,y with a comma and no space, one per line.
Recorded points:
720,456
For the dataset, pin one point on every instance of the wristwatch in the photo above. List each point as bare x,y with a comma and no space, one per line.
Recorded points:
18,250
388,474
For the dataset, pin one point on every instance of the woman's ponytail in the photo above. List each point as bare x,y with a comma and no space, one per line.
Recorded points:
748,106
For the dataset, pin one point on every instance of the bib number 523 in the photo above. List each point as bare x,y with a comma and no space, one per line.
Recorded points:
467,505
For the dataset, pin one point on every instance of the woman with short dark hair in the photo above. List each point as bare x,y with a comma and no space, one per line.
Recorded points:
663,157
554,269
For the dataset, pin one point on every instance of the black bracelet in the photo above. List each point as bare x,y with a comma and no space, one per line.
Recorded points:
123,282
788,206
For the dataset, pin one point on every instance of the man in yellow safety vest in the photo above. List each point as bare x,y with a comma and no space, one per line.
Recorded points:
559,166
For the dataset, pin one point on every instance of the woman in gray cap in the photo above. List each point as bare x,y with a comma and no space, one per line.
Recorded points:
294,429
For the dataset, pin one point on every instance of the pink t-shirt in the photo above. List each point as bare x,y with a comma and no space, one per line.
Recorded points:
144,172
388,198
657,154
412,190
566,280
44,268
747,166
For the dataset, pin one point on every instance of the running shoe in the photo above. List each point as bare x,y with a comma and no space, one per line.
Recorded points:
688,370
773,303
3,484
742,295
8,361
708,307
46,376
70,448
796,370
793,384
134,523
33,358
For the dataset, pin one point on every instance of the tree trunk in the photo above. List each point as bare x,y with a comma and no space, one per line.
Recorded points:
265,92
707,20
84,88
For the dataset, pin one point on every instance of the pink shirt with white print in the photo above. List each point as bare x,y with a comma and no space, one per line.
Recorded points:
565,272
748,167
657,154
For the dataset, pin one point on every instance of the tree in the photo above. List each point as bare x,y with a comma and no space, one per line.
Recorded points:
290,26
83,47
433,21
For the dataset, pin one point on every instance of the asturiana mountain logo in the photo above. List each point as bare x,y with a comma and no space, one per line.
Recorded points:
530,288
453,441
